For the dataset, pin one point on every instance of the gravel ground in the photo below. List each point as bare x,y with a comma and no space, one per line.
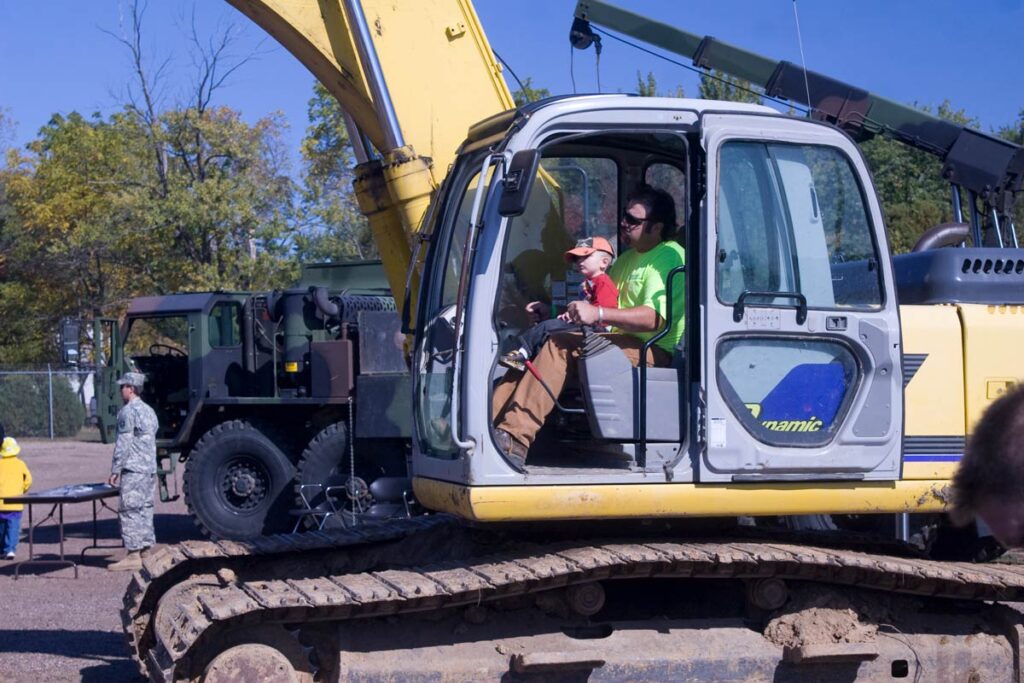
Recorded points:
55,627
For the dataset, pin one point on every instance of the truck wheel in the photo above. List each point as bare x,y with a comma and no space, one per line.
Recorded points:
236,483
327,462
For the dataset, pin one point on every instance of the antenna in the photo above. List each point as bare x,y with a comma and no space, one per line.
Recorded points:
803,61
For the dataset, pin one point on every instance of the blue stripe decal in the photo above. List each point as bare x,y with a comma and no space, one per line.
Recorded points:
932,458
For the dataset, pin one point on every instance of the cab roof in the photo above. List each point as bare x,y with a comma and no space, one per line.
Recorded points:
172,303
502,123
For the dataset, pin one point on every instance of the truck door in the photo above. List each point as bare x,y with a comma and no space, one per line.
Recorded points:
801,332
109,360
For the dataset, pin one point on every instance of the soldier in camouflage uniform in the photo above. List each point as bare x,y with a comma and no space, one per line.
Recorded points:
134,468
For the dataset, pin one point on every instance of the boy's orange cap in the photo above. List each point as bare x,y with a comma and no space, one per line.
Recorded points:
587,246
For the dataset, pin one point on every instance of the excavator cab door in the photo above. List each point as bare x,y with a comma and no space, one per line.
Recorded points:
800,327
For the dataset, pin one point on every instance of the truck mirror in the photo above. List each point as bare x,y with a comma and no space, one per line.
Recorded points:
69,341
518,182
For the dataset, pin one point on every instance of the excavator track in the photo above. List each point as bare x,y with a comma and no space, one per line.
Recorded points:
176,564
221,598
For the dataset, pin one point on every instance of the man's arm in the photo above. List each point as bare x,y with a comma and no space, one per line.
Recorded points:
122,447
636,319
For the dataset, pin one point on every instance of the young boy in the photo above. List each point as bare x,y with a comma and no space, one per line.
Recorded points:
592,257
15,480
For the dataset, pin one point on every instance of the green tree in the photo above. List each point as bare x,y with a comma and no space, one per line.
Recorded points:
148,200
25,403
717,85
1015,132
527,93
331,228
909,182
648,87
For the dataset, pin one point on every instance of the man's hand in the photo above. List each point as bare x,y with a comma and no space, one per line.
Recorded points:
538,310
636,319
582,313
114,479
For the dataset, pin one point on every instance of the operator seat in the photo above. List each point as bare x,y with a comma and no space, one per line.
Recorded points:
611,393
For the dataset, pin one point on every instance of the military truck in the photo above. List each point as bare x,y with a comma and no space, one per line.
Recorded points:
272,400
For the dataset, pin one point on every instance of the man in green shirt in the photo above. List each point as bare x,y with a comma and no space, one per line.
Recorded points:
520,402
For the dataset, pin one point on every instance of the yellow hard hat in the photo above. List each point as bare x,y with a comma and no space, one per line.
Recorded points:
9,448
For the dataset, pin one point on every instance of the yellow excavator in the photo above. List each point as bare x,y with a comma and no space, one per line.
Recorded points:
818,375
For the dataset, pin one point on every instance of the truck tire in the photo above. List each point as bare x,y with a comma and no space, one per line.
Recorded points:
237,483
326,462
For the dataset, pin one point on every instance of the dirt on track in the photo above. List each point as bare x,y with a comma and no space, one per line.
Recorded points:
54,627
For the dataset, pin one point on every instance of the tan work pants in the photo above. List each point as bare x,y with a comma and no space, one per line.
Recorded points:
520,405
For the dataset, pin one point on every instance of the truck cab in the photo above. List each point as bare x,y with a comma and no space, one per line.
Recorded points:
271,398
786,386
181,342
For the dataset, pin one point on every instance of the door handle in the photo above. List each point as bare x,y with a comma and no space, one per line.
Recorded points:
801,303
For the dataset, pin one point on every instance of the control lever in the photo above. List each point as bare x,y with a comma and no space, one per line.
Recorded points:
593,343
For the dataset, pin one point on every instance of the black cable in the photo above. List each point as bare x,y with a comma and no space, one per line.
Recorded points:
700,71
572,69
881,128
522,88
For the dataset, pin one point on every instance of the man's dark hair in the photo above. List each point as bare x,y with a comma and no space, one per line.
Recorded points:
3,432
662,208
993,464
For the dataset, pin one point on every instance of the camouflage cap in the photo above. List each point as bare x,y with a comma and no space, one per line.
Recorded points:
135,379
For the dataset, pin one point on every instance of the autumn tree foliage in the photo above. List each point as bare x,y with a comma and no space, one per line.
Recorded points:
330,227
148,200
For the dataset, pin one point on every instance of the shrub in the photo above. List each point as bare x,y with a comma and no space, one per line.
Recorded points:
24,408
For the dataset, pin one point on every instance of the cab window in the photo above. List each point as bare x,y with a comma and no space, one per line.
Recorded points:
671,179
225,325
787,391
572,198
792,218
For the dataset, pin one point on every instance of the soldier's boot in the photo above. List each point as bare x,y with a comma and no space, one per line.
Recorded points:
131,562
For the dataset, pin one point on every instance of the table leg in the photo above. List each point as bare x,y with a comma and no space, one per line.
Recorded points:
62,562
31,547
95,530
60,528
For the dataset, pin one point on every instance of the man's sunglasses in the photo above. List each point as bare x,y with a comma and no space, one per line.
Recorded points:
631,220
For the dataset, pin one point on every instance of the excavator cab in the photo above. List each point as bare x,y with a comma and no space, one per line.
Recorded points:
787,374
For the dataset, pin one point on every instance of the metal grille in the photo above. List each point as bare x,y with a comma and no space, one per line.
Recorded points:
353,304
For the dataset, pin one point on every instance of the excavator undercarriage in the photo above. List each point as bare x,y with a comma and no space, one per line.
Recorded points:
433,599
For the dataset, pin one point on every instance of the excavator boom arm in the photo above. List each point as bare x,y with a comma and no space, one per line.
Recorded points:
422,67
434,55
990,167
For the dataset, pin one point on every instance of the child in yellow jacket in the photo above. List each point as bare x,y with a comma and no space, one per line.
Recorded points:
15,479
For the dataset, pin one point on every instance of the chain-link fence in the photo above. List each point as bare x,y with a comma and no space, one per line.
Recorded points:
55,403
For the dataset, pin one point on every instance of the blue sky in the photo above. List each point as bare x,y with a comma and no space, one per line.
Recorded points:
54,56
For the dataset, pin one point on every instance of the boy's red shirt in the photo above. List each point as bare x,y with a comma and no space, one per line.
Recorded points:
601,291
